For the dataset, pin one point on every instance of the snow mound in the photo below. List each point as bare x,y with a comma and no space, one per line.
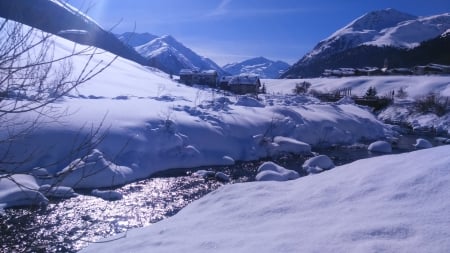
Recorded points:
270,171
380,147
422,143
20,190
373,205
107,194
318,164
57,191
93,171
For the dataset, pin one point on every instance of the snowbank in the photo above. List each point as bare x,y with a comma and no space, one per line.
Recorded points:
20,190
398,204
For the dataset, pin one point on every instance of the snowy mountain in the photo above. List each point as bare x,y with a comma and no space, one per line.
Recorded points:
384,28
136,39
169,55
387,27
58,17
261,66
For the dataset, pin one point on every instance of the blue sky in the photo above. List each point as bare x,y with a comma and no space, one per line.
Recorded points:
233,30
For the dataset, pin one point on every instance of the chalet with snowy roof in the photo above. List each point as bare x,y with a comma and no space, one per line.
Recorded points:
243,84
206,77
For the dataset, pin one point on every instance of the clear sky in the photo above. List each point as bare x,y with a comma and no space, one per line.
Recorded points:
234,30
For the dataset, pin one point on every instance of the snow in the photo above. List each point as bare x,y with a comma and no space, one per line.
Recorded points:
318,164
151,123
372,205
19,190
403,108
422,143
283,144
380,147
86,172
270,171
131,121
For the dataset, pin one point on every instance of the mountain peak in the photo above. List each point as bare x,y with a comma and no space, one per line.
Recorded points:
380,19
171,56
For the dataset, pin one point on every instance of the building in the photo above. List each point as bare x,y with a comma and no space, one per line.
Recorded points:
206,77
243,84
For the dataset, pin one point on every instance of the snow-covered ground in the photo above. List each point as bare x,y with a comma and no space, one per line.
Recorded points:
395,203
403,109
148,123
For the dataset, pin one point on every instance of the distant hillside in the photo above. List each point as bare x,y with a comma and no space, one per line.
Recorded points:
58,17
260,66
373,37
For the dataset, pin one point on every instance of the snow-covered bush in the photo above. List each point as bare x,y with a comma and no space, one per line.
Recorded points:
301,88
432,103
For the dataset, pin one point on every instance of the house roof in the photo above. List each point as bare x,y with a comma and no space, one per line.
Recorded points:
244,79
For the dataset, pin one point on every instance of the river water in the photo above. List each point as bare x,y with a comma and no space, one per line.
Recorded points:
70,224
